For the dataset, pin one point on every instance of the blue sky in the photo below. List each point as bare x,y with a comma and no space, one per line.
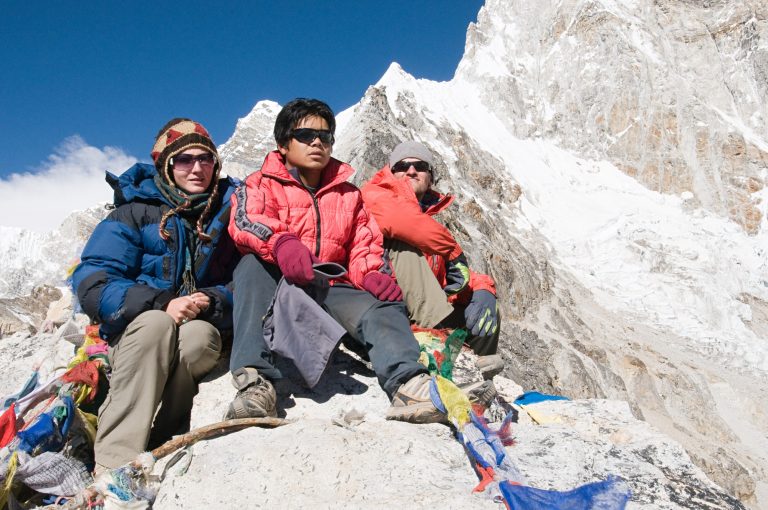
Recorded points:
112,73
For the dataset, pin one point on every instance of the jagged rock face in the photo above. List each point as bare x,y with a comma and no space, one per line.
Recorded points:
245,150
24,314
673,93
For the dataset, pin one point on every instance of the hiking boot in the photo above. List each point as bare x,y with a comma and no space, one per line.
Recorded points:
482,392
412,403
255,397
490,365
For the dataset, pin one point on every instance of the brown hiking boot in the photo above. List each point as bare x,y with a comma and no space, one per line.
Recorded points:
412,403
256,397
481,392
489,365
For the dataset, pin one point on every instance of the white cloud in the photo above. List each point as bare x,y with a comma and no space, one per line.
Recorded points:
72,179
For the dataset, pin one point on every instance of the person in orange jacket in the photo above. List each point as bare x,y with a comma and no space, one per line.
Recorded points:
438,288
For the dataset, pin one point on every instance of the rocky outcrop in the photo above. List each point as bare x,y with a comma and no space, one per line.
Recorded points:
252,139
340,450
673,93
27,313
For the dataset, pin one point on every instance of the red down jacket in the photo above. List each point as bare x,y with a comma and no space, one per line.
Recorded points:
398,214
333,224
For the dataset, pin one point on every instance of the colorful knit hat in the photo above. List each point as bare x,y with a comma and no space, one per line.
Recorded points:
174,138
177,136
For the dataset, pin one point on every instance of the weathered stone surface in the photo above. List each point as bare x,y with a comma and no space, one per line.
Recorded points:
343,451
26,314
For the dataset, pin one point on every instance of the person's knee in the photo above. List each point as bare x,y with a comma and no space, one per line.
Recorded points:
243,265
382,317
398,246
385,311
150,331
199,347
248,267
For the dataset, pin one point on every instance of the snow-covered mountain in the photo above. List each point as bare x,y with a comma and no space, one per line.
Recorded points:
610,161
30,258
610,167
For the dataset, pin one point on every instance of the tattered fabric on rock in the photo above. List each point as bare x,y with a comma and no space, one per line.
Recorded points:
52,473
25,390
8,425
534,397
503,482
609,494
439,349
50,429
42,455
85,373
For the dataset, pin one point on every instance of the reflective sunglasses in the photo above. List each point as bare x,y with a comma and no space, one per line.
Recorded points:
187,161
420,166
307,135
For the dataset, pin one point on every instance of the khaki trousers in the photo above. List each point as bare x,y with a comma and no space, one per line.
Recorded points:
154,361
424,297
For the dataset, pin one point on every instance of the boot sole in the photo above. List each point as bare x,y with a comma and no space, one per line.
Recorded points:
482,392
421,413
237,409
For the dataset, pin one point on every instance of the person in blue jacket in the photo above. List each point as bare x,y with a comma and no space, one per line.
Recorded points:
156,276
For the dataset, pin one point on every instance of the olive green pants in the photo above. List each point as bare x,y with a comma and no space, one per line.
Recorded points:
154,362
424,297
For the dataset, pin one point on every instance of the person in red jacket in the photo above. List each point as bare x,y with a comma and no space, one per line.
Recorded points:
438,287
297,210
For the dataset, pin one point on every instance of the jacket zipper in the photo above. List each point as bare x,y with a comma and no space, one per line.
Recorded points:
317,215
314,204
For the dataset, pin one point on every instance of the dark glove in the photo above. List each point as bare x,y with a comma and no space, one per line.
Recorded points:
457,275
294,260
382,286
482,314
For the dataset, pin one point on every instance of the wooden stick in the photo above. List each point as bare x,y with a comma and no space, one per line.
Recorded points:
213,430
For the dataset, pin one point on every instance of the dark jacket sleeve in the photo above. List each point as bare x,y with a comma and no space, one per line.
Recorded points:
219,313
106,280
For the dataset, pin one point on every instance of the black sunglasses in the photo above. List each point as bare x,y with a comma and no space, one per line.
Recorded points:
307,135
403,166
187,161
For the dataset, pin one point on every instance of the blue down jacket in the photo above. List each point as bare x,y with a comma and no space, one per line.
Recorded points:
126,268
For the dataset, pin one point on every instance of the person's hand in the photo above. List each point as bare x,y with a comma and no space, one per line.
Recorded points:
457,275
382,286
482,314
186,308
294,260
202,300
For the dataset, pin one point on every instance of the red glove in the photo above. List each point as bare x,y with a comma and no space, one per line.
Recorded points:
382,286
294,260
